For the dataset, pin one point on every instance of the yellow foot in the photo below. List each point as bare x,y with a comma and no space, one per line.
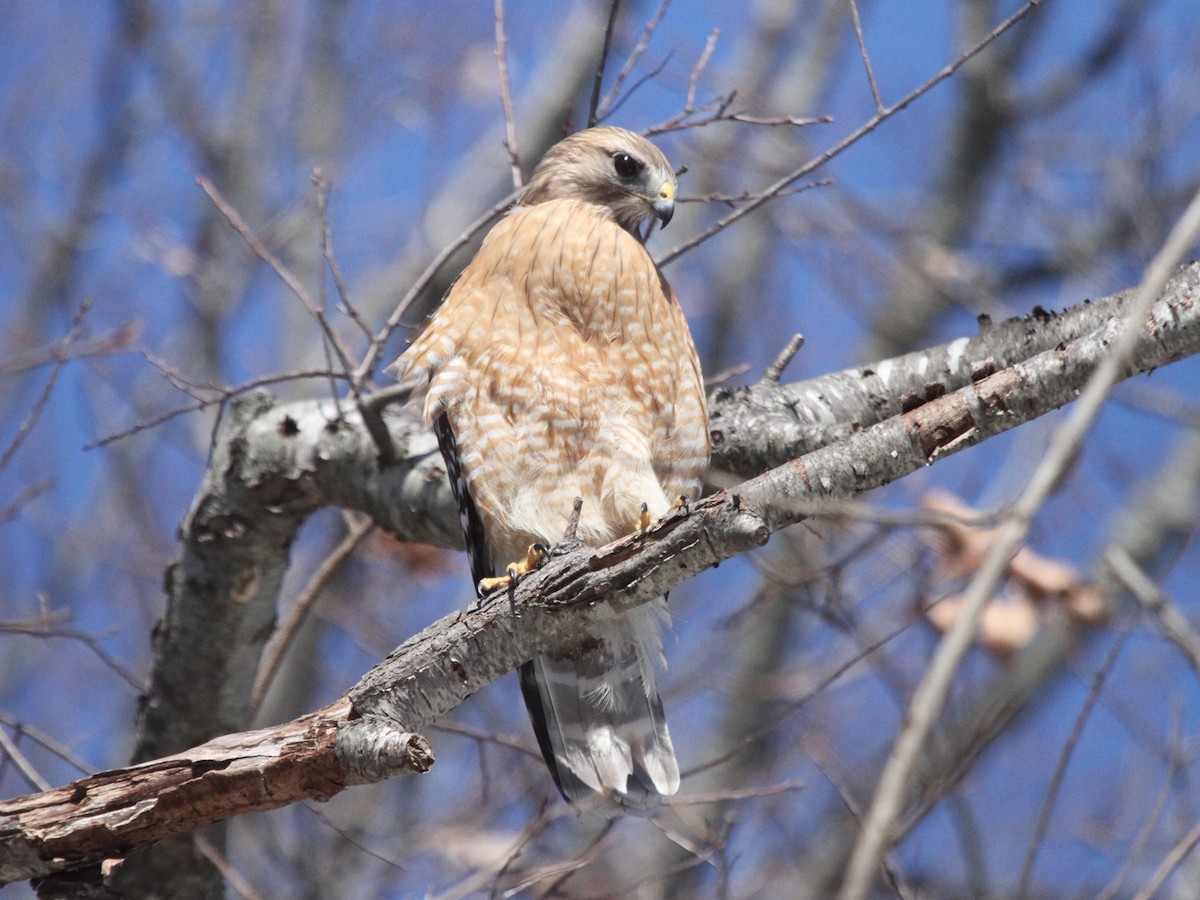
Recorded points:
644,521
512,574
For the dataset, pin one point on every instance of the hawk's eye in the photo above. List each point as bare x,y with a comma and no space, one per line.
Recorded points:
626,165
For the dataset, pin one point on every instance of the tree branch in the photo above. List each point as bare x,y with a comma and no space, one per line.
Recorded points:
326,459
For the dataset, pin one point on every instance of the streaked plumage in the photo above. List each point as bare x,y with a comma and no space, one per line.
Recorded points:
560,366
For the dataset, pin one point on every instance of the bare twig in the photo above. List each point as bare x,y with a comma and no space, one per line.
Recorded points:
371,357
179,380
866,57
50,625
603,110
48,743
510,122
854,808
350,838
771,790
817,687
286,633
323,189
701,64
633,89
771,121
35,411
1064,758
573,520
246,233
1177,855
1144,833
228,871
718,110
25,496
775,370
10,749
220,396
598,80
852,138
747,196
715,110
1150,597
931,693
118,339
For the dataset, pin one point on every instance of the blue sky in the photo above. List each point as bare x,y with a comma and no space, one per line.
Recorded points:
413,96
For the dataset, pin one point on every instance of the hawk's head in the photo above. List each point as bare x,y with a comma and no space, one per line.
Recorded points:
610,167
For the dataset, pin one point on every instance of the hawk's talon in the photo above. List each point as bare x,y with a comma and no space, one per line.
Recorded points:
534,557
681,505
644,520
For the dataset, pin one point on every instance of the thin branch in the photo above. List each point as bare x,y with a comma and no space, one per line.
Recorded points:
633,89
701,64
643,42
716,110
1064,758
866,57
48,743
818,687
221,395
10,749
121,338
283,636
348,835
891,870
1150,597
852,138
246,233
510,121
323,189
49,625
1177,855
25,496
935,685
1152,817
598,80
747,196
775,370
39,405
371,357
772,121
236,880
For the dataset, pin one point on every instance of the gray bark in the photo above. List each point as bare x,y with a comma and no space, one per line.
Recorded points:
273,465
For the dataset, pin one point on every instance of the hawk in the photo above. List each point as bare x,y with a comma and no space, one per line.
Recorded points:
560,365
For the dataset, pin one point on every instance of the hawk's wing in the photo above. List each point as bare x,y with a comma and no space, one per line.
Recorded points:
468,515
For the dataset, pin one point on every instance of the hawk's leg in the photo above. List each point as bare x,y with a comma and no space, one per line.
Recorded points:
513,572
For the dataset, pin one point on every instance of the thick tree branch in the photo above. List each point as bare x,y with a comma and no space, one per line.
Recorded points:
272,466
437,669
108,815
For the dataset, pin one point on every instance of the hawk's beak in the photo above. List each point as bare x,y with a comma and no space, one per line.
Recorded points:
664,204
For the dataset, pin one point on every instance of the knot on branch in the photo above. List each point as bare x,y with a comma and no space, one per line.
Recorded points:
743,528
372,749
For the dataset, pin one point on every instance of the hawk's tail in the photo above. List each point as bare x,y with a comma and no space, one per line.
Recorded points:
599,719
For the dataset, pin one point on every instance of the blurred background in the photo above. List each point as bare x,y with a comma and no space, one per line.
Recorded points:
1046,171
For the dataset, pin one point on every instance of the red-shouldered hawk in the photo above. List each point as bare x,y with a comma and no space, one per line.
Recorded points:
560,366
